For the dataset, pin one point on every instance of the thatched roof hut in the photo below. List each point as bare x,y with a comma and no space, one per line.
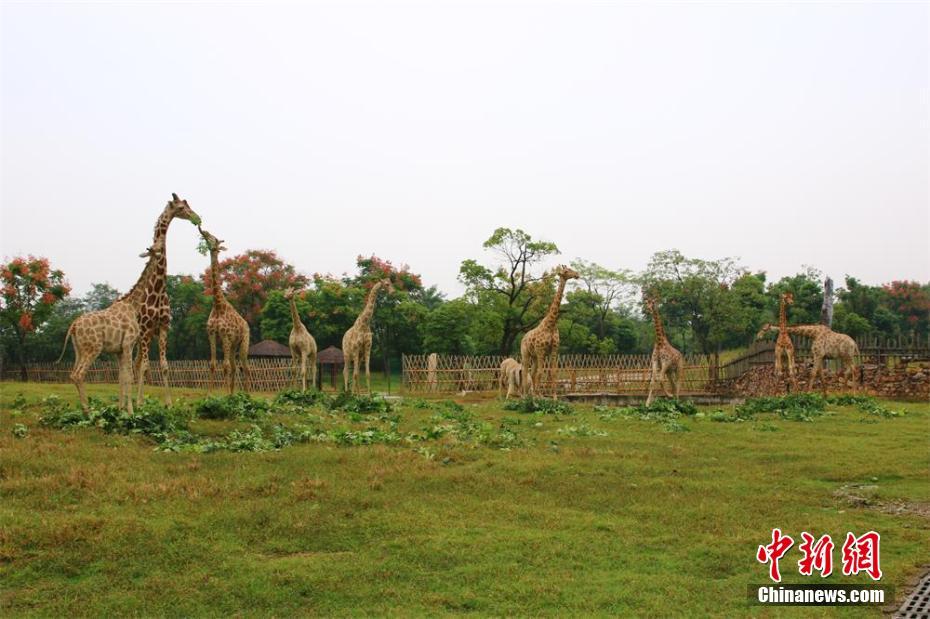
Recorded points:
269,348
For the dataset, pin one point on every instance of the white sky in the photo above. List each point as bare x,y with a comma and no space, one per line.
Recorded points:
786,134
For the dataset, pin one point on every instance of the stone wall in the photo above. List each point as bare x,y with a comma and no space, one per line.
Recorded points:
902,382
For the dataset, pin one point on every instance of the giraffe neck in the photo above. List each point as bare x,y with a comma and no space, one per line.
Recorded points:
294,315
783,315
218,297
552,315
364,319
161,236
657,321
811,331
138,293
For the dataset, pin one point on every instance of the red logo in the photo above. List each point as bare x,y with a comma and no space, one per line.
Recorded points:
860,554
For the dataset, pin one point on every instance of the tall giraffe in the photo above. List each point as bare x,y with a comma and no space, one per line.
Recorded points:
827,343
155,314
784,347
667,362
301,343
541,344
226,324
114,329
356,343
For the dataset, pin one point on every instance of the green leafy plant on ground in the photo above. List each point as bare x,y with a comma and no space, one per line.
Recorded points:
546,406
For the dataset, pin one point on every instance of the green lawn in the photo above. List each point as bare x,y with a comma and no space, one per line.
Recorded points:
643,521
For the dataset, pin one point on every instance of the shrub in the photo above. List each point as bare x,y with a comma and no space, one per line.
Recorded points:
297,397
20,431
236,406
546,406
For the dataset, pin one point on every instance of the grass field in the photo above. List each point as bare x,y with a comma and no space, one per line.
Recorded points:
486,510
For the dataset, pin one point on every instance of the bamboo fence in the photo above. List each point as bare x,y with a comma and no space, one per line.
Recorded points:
624,374
266,374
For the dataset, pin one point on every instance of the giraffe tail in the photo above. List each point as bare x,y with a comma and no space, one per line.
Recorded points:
65,347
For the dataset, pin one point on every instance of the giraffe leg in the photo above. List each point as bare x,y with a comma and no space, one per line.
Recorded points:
778,368
163,361
125,376
244,365
211,336
368,371
677,381
228,367
142,366
83,360
663,378
652,380
554,373
303,371
816,371
355,369
312,362
345,373
792,377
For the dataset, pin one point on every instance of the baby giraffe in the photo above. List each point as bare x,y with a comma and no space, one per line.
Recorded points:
511,375
115,330
301,343
225,323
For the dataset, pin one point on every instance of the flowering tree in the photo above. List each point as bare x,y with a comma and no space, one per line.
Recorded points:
249,277
31,288
911,302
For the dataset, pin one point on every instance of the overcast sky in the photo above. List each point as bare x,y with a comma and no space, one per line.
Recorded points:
785,134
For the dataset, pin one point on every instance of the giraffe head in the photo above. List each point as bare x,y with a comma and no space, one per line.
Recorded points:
788,298
181,209
763,331
386,285
214,245
566,273
156,250
290,293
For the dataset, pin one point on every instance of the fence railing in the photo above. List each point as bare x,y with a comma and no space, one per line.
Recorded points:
624,374
881,352
266,374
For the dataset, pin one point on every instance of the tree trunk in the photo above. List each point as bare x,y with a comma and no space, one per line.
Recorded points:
21,336
826,310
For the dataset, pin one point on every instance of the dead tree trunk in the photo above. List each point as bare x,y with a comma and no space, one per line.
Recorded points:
826,310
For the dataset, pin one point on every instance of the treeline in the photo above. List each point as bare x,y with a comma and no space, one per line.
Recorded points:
708,305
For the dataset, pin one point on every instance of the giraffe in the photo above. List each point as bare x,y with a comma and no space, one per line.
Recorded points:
541,344
225,324
667,362
114,329
155,315
784,347
512,375
356,343
301,343
827,343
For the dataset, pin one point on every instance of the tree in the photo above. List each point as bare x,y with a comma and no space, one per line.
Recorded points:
606,288
101,296
509,287
447,329
808,296
248,279
911,302
395,322
705,295
31,289
190,309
